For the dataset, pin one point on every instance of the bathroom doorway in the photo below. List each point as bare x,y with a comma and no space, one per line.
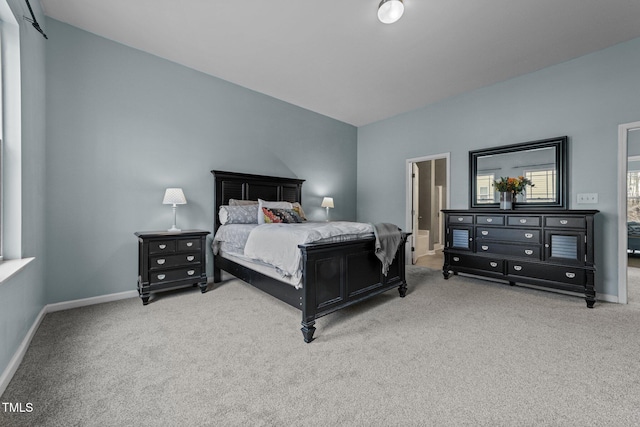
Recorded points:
427,194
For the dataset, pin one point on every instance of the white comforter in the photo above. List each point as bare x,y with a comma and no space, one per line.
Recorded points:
277,244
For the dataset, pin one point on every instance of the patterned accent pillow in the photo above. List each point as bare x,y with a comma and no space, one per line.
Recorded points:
276,215
298,208
238,202
271,205
247,214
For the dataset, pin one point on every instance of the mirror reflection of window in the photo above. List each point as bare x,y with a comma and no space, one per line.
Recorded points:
484,184
544,185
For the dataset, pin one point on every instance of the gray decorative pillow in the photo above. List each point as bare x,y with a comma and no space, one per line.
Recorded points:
238,202
247,214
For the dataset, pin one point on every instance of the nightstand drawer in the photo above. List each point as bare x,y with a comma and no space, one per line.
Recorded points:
188,245
160,261
177,274
162,246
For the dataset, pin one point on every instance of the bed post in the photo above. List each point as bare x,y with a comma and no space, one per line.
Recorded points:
402,287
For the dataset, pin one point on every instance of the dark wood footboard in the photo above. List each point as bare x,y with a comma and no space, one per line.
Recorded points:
337,275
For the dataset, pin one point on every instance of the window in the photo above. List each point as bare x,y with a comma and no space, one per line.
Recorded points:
485,188
633,195
544,185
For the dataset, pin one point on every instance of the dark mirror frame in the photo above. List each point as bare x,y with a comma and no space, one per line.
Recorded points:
562,171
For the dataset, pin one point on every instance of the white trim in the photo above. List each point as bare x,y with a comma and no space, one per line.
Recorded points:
409,190
623,132
13,365
10,267
68,305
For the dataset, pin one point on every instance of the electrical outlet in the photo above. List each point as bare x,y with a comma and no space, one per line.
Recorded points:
584,198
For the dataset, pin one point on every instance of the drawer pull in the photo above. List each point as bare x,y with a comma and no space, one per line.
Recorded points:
570,275
190,258
191,272
456,259
493,264
162,246
563,221
523,221
484,248
189,244
528,251
161,261
460,218
485,233
489,219
528,235
161,276
517,267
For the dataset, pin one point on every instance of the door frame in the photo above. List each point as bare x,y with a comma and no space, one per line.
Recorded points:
409,189
623,150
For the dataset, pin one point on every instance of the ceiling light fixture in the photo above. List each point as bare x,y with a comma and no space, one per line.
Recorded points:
389,11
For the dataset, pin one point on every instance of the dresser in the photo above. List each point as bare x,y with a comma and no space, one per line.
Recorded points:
552,249
170,260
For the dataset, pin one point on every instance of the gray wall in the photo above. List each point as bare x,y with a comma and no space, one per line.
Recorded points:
23,296
122,125
586,99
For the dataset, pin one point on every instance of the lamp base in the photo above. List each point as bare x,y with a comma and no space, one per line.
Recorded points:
174,230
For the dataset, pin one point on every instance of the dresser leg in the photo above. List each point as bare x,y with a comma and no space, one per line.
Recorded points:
590,290
145,299
203,287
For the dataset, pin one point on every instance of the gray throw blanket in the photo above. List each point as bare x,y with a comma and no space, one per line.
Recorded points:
388,237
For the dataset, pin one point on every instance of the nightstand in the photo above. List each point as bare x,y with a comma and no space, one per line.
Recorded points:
168,260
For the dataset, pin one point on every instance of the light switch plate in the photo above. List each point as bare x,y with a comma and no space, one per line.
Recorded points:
585,198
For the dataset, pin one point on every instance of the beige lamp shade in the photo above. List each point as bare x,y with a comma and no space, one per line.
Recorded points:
327,202
174,196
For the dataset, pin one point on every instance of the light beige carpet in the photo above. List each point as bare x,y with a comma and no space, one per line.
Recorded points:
456,352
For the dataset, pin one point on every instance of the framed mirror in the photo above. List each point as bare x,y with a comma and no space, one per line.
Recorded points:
544,162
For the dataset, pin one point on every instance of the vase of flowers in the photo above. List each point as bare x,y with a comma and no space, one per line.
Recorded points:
509,188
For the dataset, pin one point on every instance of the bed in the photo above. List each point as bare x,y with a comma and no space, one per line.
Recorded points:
335,275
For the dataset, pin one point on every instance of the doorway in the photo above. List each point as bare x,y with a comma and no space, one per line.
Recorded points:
629,213
427,193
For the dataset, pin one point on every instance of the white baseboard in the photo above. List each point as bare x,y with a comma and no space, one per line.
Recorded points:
15,361
67,305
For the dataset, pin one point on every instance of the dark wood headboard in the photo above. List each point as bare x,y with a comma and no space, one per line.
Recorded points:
244,186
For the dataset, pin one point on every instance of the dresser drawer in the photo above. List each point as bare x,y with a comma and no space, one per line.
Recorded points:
565,222
569,275
525,221
520,251
160,261
189,245
478,263
509,234
176,274
162,246
460,219
490,219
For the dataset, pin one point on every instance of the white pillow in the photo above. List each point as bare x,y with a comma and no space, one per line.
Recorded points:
276,205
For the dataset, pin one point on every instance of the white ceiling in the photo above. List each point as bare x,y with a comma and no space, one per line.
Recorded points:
334,57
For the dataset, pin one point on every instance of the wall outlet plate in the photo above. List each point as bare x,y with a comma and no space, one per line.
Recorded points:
584,198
